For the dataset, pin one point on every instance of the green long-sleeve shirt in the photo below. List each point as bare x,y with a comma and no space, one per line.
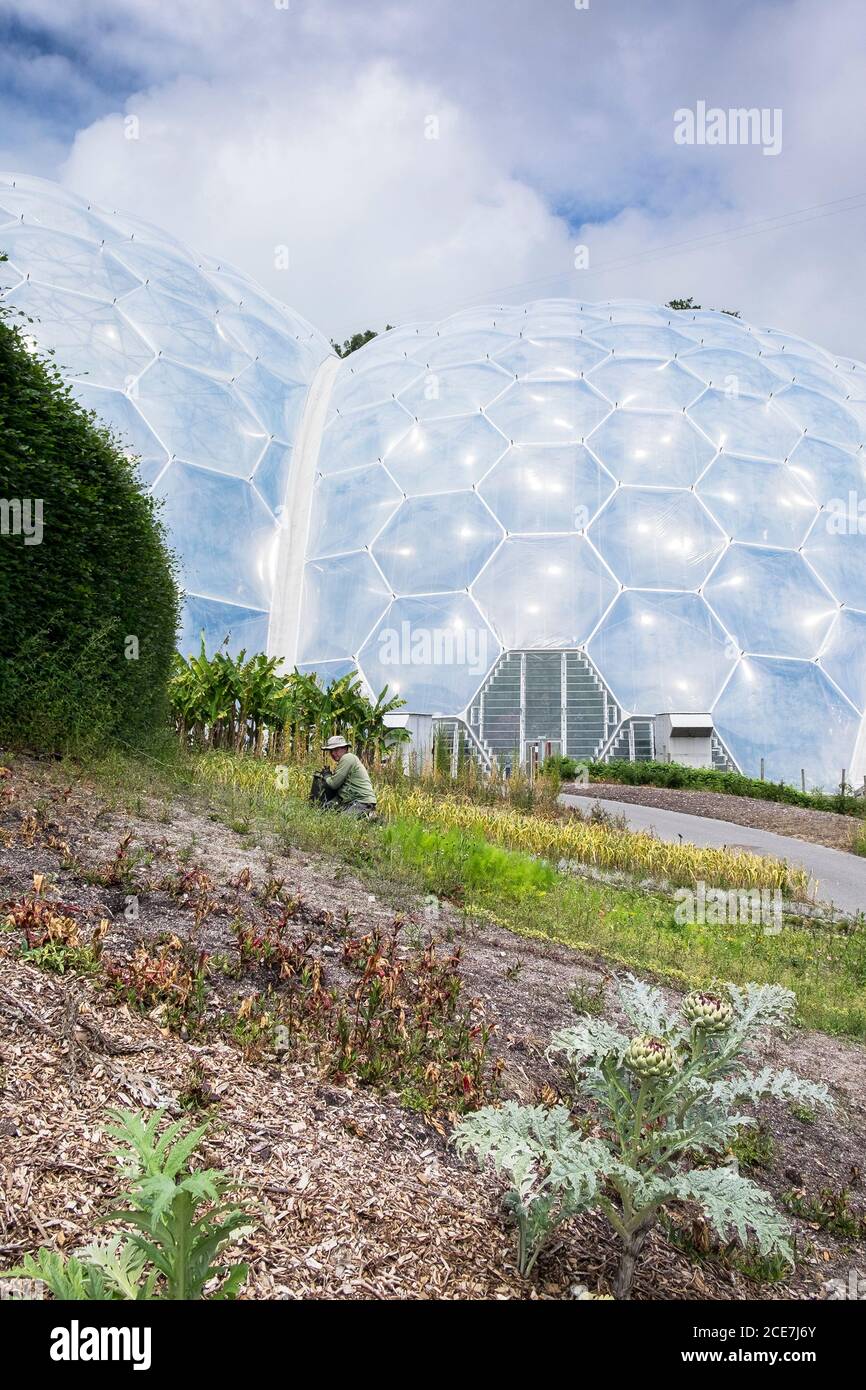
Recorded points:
351,781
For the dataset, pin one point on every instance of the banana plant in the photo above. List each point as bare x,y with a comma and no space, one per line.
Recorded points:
247,704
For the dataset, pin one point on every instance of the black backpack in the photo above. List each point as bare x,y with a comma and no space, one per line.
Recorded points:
320,792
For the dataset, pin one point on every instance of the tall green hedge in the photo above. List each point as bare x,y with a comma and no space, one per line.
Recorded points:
101,576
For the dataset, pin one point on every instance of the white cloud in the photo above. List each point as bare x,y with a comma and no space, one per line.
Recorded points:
263,127
381,222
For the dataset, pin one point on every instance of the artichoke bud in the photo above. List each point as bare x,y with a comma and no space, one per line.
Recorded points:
708,1012
650,1057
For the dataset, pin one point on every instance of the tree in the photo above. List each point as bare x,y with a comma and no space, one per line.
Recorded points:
357,340
88,601
683,304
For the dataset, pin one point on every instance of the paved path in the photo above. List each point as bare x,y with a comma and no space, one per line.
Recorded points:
837,877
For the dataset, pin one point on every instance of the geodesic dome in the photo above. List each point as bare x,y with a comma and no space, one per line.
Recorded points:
554,520
202,375
658,500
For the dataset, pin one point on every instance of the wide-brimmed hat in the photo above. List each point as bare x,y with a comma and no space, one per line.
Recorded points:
334,742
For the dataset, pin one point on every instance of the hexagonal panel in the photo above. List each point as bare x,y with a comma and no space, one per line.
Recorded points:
775,340
717,329
794,369
226,625
356,389
645,385
544,591
454,390
434,652
91,340
743,425
770,601
199,419
271,478
818,415
757,501
546,487
68,262
853,376
731,372
661,652
644,447
548,412
287,357
836,548
278,405
183,332
350,509
656,538
362,436
117,411
436,543
445,455
828,473
637,340
560,319
172,269
446,349
343,597
225,536
550,359
328,671
58,210
789,714
844,655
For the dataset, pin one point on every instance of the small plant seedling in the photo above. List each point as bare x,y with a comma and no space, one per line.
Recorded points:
804,1113
831,1209
586,998
182,1219
753,1146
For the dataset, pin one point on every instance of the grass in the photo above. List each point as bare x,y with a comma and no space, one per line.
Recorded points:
452,848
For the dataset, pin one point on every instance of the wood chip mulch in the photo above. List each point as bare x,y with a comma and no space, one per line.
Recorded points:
355,1197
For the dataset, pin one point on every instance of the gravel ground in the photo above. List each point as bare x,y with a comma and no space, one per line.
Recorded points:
817,827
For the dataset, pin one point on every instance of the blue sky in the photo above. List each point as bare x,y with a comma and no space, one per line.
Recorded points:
304,124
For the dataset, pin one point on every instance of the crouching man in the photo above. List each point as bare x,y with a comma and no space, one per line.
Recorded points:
350,781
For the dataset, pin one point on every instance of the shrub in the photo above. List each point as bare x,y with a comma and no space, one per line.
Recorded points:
666,1101
678,775
181,1218
102,574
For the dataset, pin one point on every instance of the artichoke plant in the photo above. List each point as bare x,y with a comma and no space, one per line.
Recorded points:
708,1012
650,1058
667,1101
